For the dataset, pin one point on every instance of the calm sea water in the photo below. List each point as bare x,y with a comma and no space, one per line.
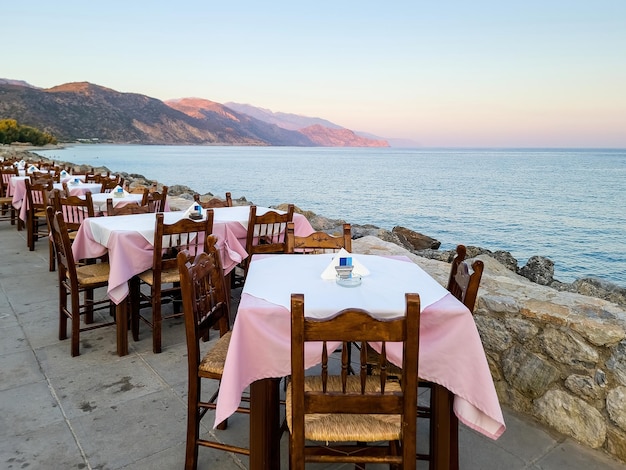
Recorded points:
568,205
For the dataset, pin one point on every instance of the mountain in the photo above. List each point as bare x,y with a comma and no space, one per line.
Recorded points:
320,131
85,111
243,125
294,122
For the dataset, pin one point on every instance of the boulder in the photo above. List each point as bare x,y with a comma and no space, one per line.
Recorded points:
416,240
539,269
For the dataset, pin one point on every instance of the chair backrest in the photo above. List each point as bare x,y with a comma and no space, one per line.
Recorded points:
63,248
267,233
463,285
7,173
91,176
205,300
74,209
37,194
107,183
214,202
360,327
126,209
318,242
171,239
156,200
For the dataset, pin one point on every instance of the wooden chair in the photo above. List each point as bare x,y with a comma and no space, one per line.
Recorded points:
267,233
318,242
91,176
163,279
36,218
74,209
108,184
214,202
332,416
126,209
7,211
464,286
156,200
206,307
75,281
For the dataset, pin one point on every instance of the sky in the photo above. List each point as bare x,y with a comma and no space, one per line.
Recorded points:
458,73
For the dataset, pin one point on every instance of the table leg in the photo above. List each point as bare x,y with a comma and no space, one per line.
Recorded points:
442,410
264,424
121,320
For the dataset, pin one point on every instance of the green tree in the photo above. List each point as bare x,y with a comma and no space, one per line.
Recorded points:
11,131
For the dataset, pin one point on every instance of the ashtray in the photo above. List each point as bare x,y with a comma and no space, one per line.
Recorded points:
344,271
349,281
118,194
195,216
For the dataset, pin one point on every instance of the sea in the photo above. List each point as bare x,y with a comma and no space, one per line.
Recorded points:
568,205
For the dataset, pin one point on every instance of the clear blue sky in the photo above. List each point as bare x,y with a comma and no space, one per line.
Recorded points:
451,73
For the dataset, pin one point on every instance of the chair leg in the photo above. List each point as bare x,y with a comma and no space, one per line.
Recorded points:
62,315
156,324
89,305
75,340
193,425
30,235
134,298
53,263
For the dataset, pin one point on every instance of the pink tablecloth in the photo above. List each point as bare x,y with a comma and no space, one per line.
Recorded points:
19,200
451,354
130,252
81,188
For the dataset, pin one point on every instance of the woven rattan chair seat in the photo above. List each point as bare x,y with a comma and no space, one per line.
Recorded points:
6,200
213,361
338,427
167,276
91,274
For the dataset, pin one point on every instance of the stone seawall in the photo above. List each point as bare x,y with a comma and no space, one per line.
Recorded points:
559,357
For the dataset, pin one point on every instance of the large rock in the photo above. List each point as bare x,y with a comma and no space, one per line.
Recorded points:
539,269
416,240
572,416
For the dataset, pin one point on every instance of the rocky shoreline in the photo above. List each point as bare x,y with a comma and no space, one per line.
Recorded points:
538,269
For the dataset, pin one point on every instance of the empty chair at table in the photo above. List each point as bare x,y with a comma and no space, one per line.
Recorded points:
214,201
157,199
108,184
206,307
75,209
318,242
267,233
463,285
7,211
37,202
163,279
336,417
76,282
126,209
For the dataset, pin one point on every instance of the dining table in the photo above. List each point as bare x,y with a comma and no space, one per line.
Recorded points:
100,201
451,354
129,242
20,202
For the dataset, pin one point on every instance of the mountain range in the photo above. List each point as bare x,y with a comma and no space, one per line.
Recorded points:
84,111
